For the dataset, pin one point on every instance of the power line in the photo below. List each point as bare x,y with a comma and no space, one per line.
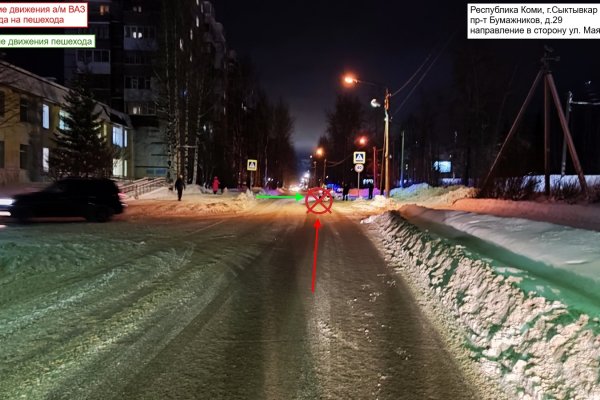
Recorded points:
413,76
425,73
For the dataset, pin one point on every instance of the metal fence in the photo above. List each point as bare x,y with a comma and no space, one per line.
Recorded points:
140,186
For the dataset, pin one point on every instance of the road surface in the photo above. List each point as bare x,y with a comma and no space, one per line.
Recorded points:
212,308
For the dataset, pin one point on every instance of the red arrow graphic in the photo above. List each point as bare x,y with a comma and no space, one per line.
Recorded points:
314,271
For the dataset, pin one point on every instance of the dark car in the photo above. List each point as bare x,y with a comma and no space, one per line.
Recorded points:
90,198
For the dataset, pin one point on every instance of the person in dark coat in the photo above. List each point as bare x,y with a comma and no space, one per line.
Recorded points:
370,190
179,186
215,185
345,191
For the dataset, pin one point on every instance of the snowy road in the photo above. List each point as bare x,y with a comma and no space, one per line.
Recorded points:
212,308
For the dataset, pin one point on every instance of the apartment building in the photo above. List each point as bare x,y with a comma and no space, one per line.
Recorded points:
123,67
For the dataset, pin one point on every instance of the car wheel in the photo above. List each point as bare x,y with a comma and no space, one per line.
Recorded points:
22,214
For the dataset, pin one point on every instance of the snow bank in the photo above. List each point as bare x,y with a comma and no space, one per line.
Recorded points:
378,203
536,348
163,202
409,191
570,250
421,194
576,215
557,180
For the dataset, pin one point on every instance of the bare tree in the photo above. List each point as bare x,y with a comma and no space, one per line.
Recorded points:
343,125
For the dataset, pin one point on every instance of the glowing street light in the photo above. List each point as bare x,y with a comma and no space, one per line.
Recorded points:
350,80
320,152
362,140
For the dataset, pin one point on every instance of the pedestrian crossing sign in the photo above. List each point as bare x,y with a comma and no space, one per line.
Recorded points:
360,157
252,165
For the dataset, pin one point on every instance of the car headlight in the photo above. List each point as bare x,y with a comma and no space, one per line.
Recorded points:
6,202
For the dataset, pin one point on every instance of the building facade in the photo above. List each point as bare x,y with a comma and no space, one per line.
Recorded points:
30,114
125,64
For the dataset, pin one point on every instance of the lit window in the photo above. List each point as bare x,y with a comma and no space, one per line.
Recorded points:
135,108
197,21
180,44
117,167
137,9
62,120
45,116
46,159
104,9
118,136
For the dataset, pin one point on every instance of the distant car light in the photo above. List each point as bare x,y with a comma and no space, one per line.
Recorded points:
294,188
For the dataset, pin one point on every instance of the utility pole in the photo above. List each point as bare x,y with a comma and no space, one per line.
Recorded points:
568,110
550,93
402,163
386,104
375,166
563,163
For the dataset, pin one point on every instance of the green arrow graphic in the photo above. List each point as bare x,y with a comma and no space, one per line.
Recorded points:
297,196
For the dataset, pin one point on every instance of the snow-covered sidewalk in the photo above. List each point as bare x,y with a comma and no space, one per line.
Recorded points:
195,201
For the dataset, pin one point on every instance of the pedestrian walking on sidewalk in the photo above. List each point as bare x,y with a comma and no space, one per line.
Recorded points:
215,185
345,191
179,186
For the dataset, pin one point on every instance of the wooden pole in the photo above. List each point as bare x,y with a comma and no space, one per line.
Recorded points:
402,163
513,129
567,135
563,163
546,136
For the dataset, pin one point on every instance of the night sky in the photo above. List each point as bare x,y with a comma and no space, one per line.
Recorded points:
301,49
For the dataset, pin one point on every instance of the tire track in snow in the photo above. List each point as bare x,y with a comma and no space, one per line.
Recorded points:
142,291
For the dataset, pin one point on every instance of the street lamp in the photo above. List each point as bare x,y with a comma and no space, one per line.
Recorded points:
320,152
351,80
